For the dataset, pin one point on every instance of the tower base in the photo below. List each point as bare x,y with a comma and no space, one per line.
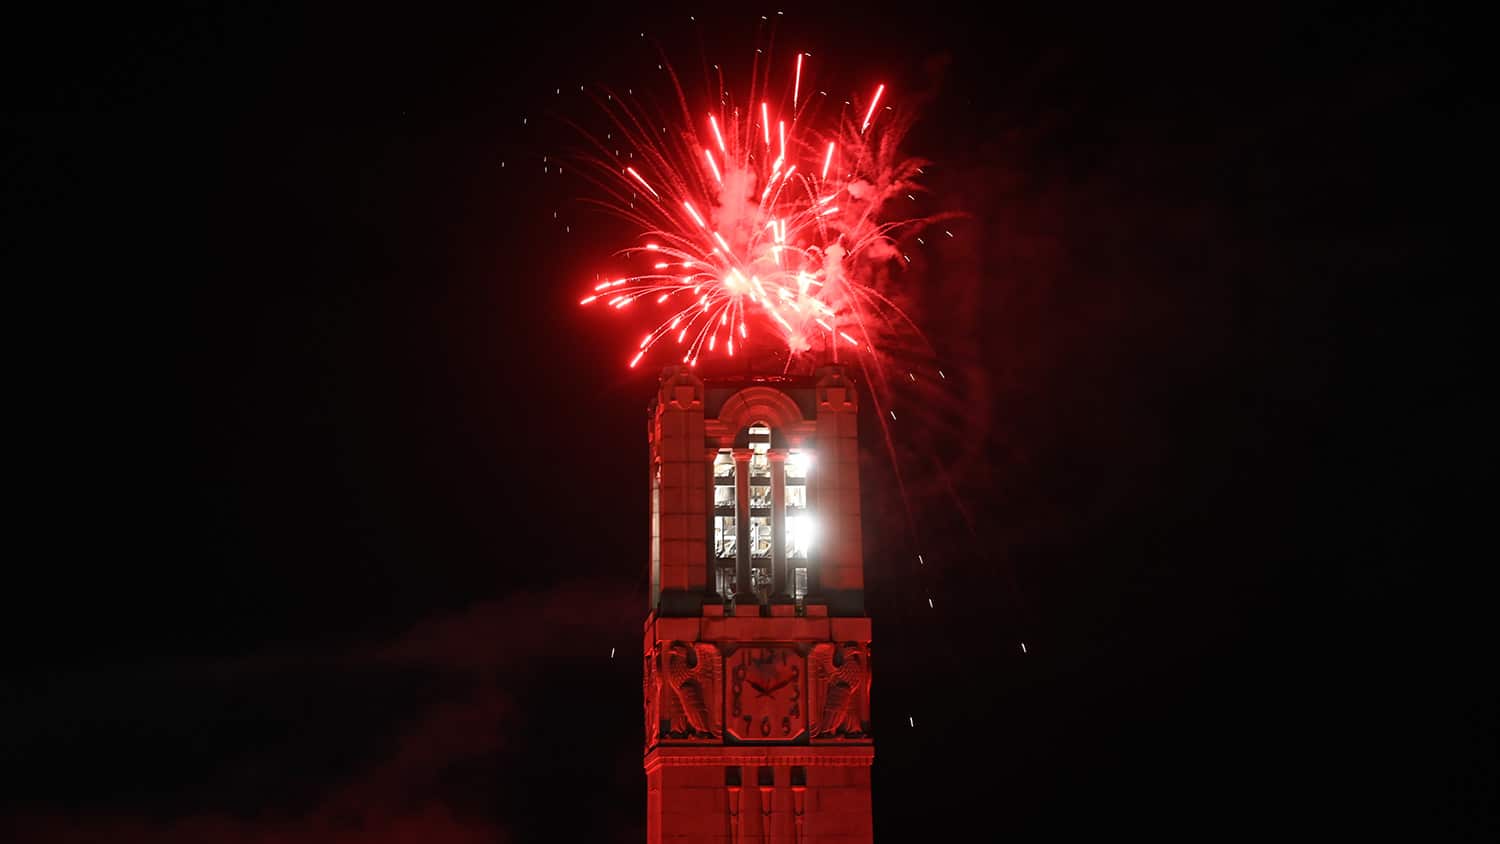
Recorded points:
764,795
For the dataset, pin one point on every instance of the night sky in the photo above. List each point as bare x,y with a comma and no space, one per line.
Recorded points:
334,501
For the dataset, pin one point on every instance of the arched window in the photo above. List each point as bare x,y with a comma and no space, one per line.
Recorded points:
763,520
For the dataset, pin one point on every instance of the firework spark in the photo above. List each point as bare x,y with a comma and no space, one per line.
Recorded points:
779,237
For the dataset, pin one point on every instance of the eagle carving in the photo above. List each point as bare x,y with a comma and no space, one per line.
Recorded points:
691,670
843,675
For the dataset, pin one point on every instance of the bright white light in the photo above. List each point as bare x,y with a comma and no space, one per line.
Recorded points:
803,531
798,462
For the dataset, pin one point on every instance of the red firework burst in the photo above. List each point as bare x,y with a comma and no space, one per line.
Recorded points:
761,222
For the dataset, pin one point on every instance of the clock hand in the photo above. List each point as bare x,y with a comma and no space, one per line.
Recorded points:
758,687
776,686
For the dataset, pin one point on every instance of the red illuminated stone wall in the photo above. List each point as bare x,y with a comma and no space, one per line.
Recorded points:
756,706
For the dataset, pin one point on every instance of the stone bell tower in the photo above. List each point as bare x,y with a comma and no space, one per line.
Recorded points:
757,646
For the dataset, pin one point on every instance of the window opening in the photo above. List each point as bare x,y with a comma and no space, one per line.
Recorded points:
760,537
799,536
797,463
724,536
796,496
725,583
724,497
724,464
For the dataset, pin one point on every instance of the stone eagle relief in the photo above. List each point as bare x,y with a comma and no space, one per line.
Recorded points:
690,700
841,688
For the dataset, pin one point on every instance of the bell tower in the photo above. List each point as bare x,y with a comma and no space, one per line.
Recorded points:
757,646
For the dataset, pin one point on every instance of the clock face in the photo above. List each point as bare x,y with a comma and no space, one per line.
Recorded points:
767,695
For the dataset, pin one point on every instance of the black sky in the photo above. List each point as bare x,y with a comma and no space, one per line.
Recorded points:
335,503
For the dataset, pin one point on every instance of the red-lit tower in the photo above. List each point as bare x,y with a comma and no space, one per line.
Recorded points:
757,646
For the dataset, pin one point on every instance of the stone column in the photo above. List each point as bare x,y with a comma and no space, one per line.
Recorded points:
734,812
780,578
744,585
799,804
767,795
711,577
766,780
